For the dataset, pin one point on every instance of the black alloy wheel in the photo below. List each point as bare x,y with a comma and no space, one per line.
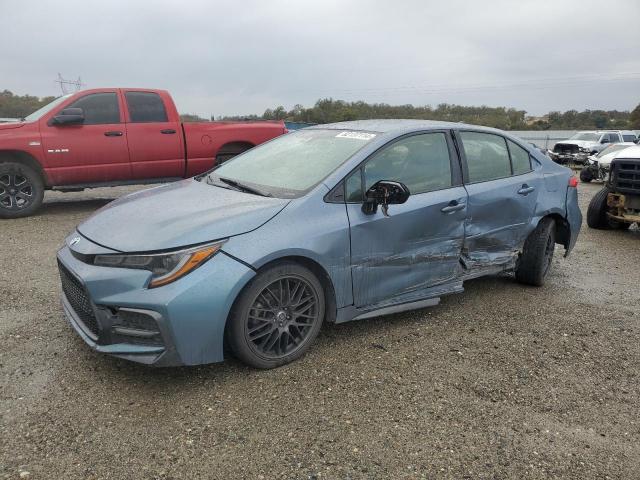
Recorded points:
277,315
281,317
16,191
21,190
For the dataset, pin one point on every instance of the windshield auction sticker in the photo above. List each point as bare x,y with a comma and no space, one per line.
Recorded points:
356,135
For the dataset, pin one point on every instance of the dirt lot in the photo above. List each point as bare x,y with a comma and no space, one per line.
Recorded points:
503,381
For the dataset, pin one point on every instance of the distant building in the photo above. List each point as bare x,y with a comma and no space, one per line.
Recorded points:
533,120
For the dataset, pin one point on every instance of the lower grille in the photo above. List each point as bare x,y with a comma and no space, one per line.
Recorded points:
78,298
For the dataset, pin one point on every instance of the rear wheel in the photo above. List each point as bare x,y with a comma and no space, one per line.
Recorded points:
277,317
537,254
21,190
227,152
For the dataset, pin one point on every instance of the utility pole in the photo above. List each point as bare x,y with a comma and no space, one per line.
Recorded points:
69,86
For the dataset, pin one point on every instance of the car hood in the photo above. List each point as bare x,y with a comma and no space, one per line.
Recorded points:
184,213
11,125
580,143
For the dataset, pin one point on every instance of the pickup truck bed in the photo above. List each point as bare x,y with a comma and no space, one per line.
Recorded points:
112,136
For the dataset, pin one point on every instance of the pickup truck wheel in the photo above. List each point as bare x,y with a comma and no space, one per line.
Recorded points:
585,175
597,211
535,260
220,159
277,316
230,150
21,190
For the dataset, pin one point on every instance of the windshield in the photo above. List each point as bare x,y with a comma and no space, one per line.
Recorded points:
47,108
292,164
611,149
589,137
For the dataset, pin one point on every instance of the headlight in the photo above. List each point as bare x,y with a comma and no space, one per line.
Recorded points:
584,150
164,267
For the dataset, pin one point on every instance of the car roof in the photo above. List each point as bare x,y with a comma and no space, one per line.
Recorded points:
401,126
631,152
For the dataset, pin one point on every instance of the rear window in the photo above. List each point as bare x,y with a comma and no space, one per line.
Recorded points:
145,107
520,159
629,138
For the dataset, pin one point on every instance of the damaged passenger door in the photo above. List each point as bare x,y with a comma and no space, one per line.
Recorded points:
503,190
396,258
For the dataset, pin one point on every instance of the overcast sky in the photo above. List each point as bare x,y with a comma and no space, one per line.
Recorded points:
241,57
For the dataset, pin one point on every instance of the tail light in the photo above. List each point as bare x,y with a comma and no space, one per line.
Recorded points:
573,182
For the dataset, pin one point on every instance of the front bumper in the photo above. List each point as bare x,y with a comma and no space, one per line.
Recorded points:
181,323
569,158
623,209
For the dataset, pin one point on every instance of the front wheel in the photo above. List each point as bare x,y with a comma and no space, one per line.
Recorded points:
277,316
21,190
586,175
597,213
537,254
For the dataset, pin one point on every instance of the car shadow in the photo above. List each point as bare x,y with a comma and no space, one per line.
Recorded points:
332,336
65,207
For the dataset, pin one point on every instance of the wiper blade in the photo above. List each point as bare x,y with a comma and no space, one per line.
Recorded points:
244,187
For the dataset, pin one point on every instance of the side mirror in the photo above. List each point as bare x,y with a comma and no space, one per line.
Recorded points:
384,193
69,116
604,140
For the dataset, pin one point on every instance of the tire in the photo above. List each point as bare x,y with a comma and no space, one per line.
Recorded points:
535,260
220,159
585,175
21,190
597,213
227,152
277,316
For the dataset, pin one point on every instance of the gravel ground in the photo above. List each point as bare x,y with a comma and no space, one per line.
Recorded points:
502,381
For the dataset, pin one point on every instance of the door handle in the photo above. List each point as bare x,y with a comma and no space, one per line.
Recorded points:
168,131
453,206
525,189
113,134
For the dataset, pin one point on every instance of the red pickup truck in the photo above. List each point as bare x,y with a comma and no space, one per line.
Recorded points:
112,136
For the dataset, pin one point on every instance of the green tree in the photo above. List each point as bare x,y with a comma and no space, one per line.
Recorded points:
16,106
634,118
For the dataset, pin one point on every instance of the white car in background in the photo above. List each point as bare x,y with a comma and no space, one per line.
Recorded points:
598,165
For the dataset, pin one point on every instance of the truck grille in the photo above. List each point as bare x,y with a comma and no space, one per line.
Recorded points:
625,176
78,298
565,148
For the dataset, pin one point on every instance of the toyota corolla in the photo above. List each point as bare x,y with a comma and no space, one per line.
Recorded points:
333,223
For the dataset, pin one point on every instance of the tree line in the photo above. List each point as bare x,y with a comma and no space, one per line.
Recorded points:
19,106
328,110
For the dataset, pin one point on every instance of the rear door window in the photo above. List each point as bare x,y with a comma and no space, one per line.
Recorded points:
98,108
520,159
487,156
628,138
145,107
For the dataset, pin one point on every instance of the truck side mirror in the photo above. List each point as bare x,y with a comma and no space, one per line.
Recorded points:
69,116
604,140
384,193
